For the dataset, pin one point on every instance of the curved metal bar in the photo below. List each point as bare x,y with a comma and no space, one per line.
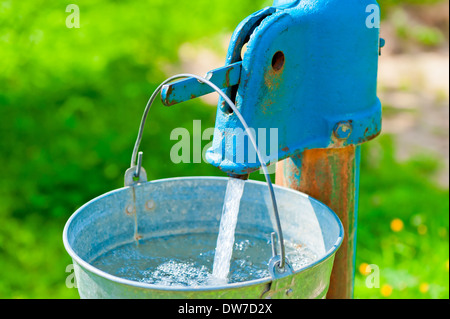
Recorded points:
282,262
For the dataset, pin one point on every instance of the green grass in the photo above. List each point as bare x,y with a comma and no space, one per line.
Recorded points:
416,255
70,105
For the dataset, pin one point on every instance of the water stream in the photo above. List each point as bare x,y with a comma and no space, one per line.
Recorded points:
228,221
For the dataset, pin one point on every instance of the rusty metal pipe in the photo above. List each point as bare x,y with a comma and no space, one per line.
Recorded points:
332,177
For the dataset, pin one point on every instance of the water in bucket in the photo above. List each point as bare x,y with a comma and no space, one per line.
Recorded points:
158,240
209,260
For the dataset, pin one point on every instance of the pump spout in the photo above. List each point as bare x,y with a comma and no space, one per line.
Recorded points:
243,177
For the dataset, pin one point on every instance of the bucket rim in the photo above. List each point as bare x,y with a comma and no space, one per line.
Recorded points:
87,266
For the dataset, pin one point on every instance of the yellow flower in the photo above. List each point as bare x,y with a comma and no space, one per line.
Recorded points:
364,269
422,229
423,288
397,225
386,290
446,265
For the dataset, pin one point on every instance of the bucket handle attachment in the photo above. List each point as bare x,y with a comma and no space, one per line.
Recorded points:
136,173
278,265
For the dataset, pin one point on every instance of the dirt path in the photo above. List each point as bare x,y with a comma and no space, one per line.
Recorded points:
414,90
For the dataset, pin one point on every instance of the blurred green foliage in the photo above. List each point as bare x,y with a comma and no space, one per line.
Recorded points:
413,32
418,253
70,105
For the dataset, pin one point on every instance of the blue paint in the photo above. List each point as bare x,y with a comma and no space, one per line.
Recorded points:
191,88
329,75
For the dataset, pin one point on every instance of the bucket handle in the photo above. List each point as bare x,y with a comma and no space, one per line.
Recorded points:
278,265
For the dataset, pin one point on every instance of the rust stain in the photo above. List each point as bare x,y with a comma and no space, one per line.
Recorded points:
273,80
169,89
129,211
368,137
166,101
171,103
227,78
272,84
243,177
329,175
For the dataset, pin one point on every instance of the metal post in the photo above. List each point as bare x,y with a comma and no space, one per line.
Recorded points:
332,177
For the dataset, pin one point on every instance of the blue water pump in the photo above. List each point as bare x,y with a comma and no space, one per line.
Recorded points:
305,73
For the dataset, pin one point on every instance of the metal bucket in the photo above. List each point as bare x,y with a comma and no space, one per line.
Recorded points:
193,205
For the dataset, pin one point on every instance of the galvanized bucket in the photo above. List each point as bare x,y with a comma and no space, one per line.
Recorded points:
193,205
